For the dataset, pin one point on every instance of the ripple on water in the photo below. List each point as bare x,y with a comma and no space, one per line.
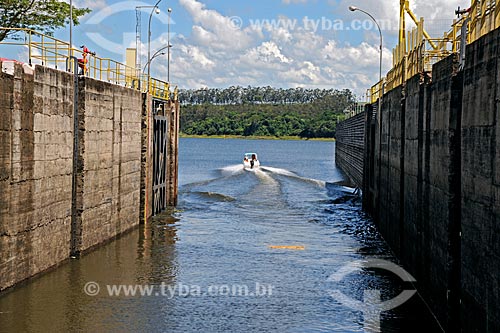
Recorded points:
226,221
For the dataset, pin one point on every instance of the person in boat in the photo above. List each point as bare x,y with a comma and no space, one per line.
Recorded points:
252,162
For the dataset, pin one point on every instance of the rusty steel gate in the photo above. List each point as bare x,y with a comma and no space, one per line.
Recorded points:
160,154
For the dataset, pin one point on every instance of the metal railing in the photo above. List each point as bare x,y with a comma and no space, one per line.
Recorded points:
484,17
416,52
52,52
376,91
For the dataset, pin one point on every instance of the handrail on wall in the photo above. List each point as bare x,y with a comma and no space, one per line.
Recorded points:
50,51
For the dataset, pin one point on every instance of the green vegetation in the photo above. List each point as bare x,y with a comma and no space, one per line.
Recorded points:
41,15
297,138
263,112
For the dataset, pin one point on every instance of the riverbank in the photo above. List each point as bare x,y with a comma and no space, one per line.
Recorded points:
256,137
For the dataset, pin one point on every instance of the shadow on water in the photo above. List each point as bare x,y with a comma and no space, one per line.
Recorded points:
345,212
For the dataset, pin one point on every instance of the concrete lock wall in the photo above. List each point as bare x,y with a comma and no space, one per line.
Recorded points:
36,172
113,174
110,160
480,186
432,184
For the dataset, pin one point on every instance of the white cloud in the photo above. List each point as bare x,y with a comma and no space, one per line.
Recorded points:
267,52
306,73
216,54
92,4
279,33
438,15
213,29
197,57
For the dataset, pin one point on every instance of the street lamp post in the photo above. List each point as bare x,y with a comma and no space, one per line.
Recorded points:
380,94
152,58
353,9
157,10
70,28
168,42
138,40
156,54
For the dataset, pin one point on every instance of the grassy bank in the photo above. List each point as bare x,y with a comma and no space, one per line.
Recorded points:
255,137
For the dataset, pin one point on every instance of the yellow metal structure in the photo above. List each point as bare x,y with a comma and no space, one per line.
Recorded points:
416,51
405,9
376,91
484,17
49,51
130,60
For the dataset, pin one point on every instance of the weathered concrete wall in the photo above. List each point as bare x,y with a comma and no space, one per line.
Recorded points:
110,154
36,168
480,196
441,189
349,148
429,234
390,168
42,222
432,183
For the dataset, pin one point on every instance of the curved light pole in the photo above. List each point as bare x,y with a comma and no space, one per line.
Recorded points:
353,9
157,10
138,40
156,54
169,46
381,92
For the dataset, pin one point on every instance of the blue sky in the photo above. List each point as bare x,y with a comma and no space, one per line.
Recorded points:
282,43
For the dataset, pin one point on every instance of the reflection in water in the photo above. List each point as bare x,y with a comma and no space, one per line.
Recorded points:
156,251
56,300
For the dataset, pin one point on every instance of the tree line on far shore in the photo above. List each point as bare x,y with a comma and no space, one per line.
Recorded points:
263,111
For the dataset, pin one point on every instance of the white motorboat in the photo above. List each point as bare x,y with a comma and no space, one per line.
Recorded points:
250,161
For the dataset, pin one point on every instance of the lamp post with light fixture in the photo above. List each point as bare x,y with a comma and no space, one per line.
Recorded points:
169,46
353,9
157,10
380,94
138,40
156,54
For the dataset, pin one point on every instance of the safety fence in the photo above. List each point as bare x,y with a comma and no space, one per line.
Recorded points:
416,51
52,52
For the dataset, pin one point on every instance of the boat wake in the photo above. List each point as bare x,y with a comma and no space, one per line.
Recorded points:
290,174
213,196
231,170
264,173
256,182
279,171
225,174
